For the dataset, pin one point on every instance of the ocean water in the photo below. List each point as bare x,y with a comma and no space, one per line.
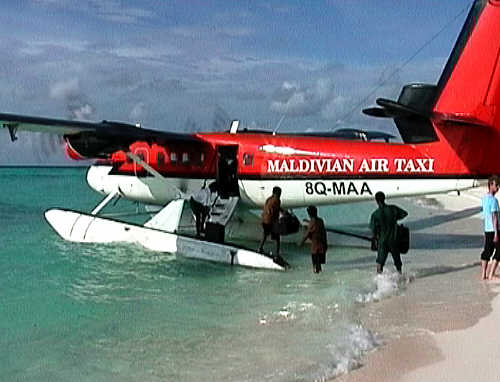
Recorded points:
122,313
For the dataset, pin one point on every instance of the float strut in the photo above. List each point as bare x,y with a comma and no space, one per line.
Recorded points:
104,202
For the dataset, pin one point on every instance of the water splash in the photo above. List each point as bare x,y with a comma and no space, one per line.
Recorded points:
347,354
387,284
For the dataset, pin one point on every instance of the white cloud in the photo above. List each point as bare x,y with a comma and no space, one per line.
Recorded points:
83,112
294,100
65,89
76,102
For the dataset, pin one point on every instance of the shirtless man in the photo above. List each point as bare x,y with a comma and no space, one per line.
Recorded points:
270,220
316,232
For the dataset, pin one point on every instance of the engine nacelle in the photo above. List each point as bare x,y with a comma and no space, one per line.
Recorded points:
87,146
71,153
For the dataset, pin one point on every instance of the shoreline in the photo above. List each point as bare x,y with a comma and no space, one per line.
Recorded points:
442,326
410,327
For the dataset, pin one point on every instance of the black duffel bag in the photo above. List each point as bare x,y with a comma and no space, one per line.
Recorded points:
402,238
288,224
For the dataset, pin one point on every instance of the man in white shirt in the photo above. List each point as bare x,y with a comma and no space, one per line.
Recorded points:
201,203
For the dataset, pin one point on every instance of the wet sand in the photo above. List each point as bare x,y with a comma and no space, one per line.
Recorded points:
430,325
444,326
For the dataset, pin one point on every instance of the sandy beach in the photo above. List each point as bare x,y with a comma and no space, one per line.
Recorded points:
444,325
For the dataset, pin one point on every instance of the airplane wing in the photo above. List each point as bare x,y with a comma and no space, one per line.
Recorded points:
44,125
97,138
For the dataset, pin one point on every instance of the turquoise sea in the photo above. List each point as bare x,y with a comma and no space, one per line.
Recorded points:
76,312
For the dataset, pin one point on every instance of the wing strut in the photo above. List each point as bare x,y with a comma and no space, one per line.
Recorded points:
156,174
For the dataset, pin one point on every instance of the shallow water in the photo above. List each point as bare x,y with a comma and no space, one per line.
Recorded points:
120,312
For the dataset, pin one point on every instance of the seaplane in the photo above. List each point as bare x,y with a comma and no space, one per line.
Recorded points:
450,134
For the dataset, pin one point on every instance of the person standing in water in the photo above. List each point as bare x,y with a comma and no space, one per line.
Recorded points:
491,244
316,232
383,225
270,220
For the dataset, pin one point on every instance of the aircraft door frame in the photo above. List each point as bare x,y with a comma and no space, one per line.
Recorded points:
227,170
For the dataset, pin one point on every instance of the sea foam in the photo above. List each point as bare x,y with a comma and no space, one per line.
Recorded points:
346,354
387,284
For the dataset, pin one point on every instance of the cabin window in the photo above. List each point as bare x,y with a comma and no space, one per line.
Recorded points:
160,158
173,158
248,159
141,156
185,158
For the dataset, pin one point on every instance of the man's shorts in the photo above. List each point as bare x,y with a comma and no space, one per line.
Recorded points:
489,247
271,229
383,252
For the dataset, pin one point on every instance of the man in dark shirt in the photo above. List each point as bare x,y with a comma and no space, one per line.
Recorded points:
383,225
270,220
316,232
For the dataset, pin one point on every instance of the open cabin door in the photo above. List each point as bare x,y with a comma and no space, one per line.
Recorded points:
227,171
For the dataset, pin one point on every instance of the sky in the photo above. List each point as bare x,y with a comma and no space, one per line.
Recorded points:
192,65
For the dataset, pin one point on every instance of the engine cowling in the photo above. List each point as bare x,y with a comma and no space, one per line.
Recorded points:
90,146
71,153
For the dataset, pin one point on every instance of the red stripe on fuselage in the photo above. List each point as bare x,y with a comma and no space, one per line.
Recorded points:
289,156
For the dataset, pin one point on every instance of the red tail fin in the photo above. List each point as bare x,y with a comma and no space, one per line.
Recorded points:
469,88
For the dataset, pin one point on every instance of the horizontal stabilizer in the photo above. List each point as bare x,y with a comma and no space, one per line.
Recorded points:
364,135
461,118
393,109
411,112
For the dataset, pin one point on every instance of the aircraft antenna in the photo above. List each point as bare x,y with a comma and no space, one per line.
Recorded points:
382,83
278,125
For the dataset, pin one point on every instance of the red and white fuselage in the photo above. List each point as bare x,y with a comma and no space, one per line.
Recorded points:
310,170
